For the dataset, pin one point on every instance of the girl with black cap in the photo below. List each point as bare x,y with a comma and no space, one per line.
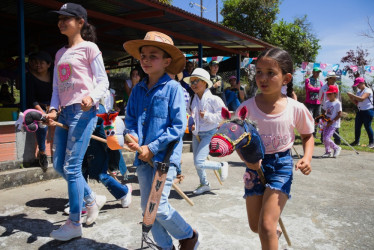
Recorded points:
78,95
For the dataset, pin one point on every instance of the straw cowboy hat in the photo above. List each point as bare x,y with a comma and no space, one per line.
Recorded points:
201,74
161,41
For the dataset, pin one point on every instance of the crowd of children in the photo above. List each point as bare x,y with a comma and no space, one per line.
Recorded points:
156,116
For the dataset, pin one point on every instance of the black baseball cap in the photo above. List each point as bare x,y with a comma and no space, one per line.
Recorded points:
72,9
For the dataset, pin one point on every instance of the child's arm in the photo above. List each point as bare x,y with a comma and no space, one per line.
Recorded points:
304,163
310,86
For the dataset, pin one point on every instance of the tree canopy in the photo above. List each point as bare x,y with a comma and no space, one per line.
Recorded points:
257,18
358,57
296,38
253,17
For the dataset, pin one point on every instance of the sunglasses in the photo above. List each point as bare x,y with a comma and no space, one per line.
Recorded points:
195,81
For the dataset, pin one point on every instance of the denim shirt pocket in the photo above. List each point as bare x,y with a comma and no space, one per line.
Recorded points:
159,107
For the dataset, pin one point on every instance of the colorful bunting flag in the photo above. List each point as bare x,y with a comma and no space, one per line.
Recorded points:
323,65
354,68
335,67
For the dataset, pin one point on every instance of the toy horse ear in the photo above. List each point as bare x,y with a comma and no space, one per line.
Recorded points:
225,113
103,116
112,116
243,112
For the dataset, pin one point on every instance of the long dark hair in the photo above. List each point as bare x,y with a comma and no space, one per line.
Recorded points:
88,32
284,61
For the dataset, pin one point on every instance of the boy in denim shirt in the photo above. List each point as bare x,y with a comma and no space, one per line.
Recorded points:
156,116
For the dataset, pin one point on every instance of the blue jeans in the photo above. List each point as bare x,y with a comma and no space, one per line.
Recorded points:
364,117
168,220
69,149
277,169
201,152
98,158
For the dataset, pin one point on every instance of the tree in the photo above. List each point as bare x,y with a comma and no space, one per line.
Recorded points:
253,17
357,58
297,38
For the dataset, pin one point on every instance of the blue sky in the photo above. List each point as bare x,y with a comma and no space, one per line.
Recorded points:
336,23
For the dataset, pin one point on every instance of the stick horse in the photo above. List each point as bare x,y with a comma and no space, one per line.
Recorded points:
115,132
240,134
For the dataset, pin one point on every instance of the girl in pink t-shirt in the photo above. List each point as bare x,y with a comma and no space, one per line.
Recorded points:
276,116
77,94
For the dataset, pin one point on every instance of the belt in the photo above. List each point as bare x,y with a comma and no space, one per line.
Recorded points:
278,154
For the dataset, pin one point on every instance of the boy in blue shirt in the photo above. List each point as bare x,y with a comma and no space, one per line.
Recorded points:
156,116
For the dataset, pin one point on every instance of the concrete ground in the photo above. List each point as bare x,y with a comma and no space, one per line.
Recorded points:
330,209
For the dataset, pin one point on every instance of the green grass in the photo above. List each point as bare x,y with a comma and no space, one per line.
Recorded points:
346,131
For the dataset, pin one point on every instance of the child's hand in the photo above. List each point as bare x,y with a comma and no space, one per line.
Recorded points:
86,103
254,166
146,154
50,118
134,144
304,166
202,113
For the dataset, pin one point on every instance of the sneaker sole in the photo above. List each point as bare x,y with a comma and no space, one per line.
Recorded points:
66,239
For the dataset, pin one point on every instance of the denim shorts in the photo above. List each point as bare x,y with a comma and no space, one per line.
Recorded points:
277,169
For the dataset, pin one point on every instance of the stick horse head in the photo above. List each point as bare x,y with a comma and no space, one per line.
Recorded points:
114,128
238,133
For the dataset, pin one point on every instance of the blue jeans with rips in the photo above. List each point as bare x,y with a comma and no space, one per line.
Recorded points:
69,149
168,221
200,153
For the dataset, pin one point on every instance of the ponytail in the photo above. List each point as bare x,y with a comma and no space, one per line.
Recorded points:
290,88
88,32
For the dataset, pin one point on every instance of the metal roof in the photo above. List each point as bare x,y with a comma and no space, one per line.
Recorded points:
117,21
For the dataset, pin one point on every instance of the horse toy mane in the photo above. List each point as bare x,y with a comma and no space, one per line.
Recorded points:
114,128
239,133
31,120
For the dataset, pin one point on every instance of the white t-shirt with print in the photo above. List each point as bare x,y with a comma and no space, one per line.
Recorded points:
332,110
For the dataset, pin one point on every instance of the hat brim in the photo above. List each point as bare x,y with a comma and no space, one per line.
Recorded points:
208,81
61,12
328,92
178,61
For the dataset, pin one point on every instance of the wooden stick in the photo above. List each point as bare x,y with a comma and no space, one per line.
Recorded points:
97,138
263,181
215,171
296,152
179,191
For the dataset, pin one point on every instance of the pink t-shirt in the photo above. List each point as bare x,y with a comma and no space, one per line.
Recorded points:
277,130
75,77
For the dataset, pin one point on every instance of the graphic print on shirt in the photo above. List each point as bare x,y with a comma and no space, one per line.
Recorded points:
316,84
64,71
275,140
329,111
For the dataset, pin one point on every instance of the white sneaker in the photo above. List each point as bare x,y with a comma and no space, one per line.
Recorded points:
337,152
126,201
93,210
67,231
202,189
224,171
67,210
327,155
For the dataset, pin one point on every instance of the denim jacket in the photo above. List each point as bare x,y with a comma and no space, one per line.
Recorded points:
157,116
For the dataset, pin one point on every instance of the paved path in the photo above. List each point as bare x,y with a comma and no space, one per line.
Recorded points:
333,208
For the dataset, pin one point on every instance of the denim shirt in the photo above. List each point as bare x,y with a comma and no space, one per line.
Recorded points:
157,116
